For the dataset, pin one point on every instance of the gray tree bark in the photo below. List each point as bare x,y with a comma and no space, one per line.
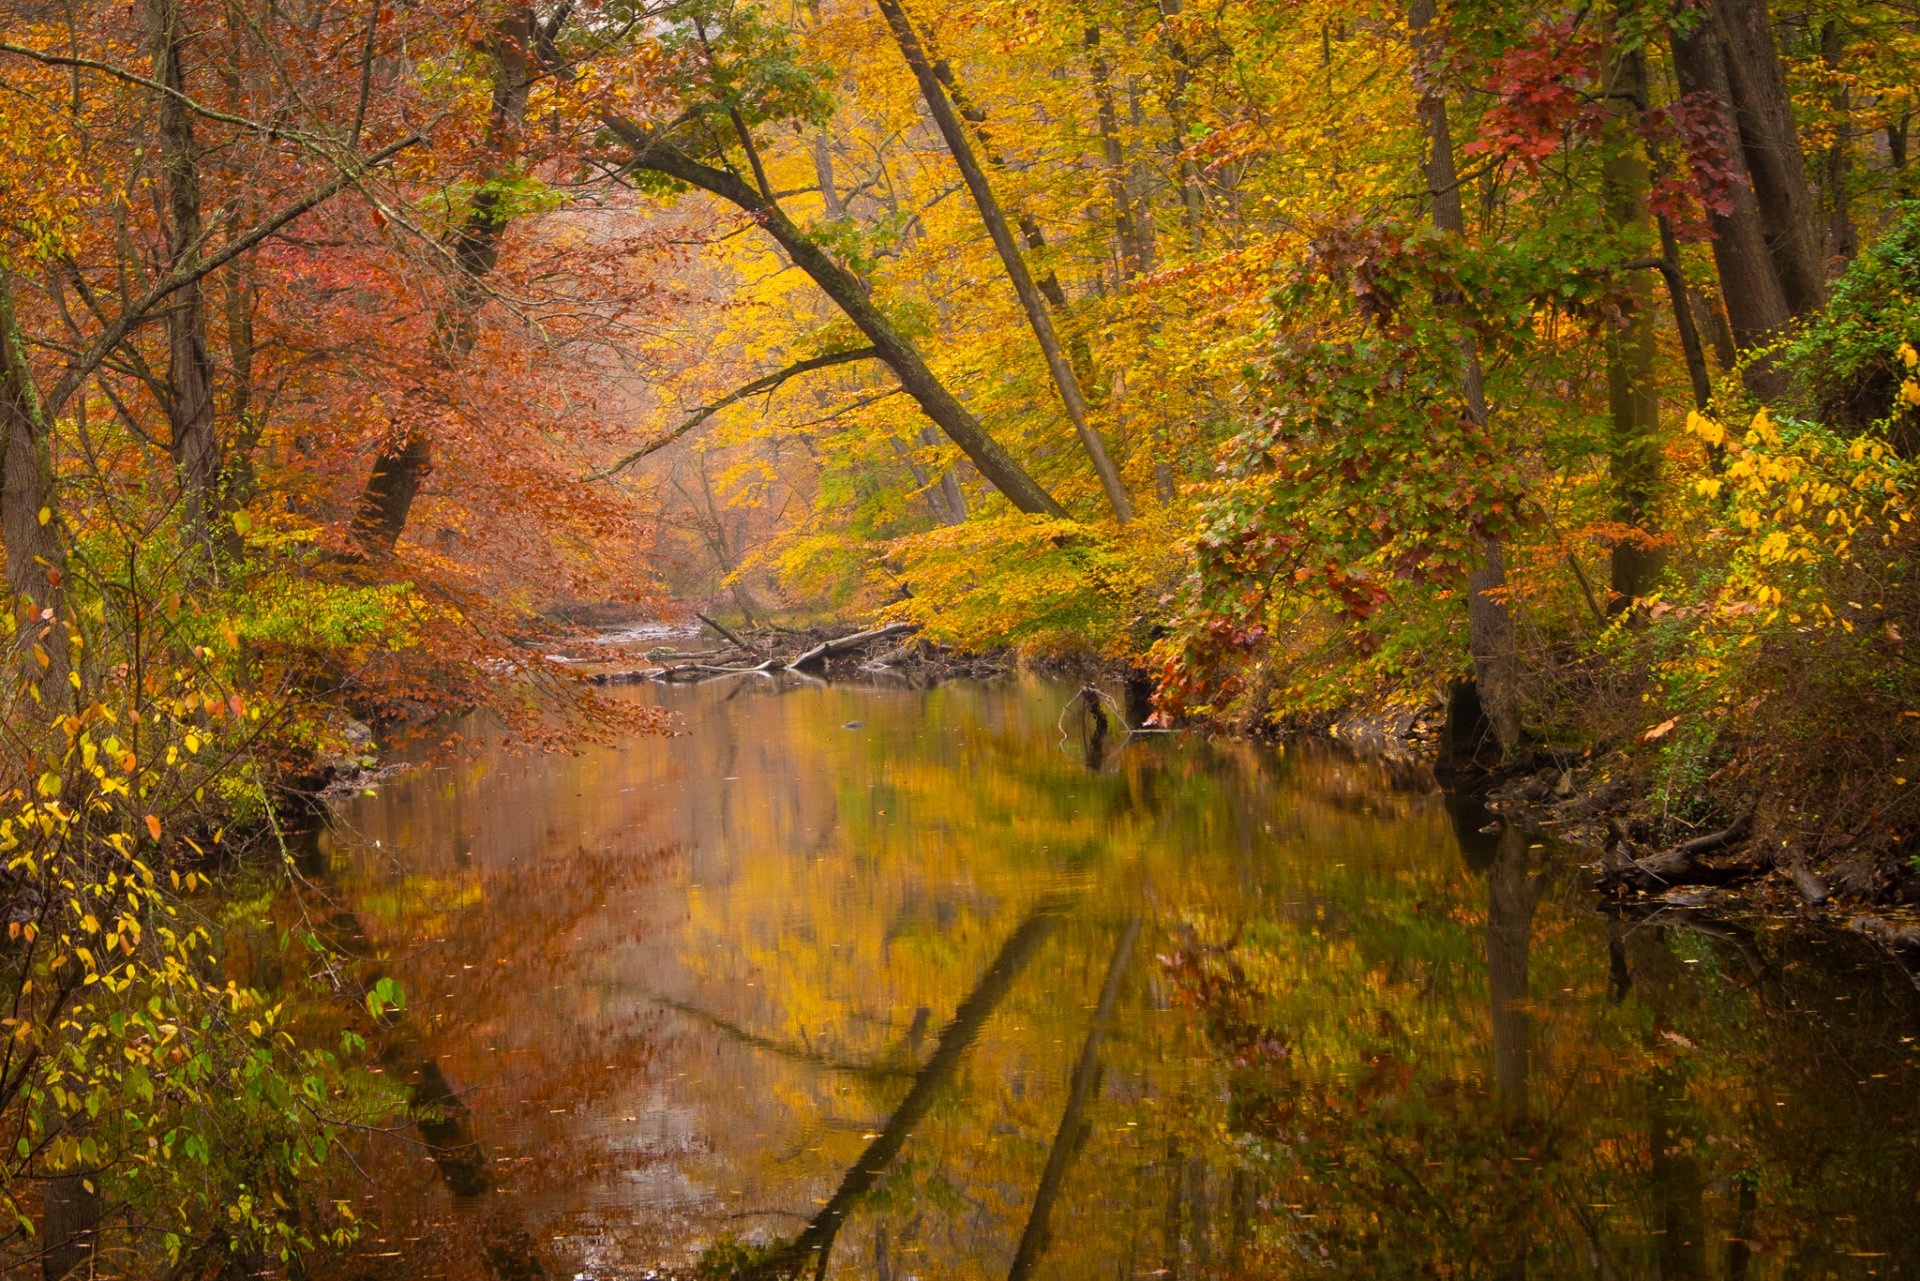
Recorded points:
652,152
995,221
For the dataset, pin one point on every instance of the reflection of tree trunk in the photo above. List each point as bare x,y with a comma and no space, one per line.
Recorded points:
876,1073
1677,1186
1674,1174
955,1038
1511,897
68,1226
1072,1132
1241,1219
1746,1219
1173,1228
1512,894
438,1112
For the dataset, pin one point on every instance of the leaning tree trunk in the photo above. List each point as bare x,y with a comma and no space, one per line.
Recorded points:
1633,447
402,464
1490,636
1001,234
657,155
195,441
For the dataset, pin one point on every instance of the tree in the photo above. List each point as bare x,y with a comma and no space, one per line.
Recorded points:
995,221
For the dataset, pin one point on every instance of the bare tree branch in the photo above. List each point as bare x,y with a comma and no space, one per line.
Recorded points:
758,385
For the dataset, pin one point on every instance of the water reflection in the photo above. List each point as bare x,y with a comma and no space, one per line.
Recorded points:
928,997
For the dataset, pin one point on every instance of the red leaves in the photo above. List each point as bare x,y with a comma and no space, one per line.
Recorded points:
1540,105
1700,125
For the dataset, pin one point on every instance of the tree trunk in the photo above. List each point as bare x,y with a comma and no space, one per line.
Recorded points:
1633,447
401,465
995,221
840,286
1136,251
834,207
249,418
1490,638
1763,110
1192,199
956,497
1683,302
1756,304
1842,242
1048,283
195,441
29,506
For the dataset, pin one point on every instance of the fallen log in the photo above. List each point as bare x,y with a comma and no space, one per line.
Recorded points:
1681,864
632,677
894,657
739,644
847,644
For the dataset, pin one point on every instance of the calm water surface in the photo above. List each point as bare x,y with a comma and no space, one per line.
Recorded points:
895,979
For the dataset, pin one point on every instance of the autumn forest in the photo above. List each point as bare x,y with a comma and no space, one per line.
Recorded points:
1531,392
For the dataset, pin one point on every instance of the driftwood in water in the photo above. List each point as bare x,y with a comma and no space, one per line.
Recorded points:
847,644
737,642
1682,864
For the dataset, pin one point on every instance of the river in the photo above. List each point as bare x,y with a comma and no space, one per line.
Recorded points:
895,983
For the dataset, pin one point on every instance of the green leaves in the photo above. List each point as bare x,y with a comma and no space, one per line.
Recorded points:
385,995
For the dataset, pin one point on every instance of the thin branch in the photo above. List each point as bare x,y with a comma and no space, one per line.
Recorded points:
766,383
133,78
138,310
